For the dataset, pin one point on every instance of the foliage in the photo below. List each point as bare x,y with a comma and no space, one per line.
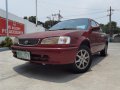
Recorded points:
115,28
25,17
7,42
33,20
46,25
50,23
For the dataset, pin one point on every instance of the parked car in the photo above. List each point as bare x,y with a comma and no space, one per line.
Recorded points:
70,42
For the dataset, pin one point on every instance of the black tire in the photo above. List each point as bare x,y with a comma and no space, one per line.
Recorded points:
104,51
78,68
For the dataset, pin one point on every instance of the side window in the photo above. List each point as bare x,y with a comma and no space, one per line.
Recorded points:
101,30
98,25
93,24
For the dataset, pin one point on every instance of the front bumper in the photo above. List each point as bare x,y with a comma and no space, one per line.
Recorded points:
44,55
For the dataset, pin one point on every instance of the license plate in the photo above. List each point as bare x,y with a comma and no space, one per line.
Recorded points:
23,55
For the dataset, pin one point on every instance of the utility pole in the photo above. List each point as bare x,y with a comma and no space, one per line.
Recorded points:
7,18
53,15
49,18
53,18
36,13
110,25
59,16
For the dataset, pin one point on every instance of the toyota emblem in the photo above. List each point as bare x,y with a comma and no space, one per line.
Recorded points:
26,42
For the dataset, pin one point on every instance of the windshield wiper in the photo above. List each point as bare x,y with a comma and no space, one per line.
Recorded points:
63,29
67,29
50,30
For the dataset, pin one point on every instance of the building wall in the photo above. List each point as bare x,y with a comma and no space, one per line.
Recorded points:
29,27
11,16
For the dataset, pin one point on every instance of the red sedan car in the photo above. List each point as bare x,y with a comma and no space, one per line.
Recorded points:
68,42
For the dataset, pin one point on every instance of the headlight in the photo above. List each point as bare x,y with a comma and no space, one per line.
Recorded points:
56,40
15,41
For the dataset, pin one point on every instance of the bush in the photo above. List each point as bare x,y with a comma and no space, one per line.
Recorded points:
7,42
2,44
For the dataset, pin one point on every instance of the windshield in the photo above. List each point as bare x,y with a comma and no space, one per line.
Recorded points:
74,24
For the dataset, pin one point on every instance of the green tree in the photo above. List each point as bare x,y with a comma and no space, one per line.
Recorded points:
115,29
50,23
33,20
25,17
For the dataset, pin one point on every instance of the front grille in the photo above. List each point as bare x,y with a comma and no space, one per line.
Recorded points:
28,42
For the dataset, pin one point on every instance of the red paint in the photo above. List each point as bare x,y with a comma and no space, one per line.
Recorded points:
14,28
56,55
64,54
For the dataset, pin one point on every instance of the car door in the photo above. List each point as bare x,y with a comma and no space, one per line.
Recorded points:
95,38
102,40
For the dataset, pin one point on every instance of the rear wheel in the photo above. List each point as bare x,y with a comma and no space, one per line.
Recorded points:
83,60
104,51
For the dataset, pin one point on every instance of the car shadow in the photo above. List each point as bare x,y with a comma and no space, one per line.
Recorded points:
57,73
97,59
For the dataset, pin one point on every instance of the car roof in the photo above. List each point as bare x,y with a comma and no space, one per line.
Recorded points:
78,18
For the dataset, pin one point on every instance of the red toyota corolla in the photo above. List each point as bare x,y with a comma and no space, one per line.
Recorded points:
68,42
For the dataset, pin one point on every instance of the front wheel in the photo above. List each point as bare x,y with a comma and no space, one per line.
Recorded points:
82,61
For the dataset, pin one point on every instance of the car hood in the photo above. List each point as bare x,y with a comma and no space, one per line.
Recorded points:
51,34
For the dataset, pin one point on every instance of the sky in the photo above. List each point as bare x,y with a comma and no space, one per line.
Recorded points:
95,9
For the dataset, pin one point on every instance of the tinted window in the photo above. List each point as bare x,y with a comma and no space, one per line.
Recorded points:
75,24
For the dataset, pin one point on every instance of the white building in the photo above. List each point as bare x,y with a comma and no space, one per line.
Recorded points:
28,26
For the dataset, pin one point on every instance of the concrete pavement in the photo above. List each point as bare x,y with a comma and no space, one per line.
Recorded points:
20,75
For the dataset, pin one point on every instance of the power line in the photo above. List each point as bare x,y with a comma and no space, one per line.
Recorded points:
56,15
68,5
94,18
98,10
101,17
88,13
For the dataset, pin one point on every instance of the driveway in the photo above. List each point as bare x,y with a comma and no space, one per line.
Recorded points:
20,75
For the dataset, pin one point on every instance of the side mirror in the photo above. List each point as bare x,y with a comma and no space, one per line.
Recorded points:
95,28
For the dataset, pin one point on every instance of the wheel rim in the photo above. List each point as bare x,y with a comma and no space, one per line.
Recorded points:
82,59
